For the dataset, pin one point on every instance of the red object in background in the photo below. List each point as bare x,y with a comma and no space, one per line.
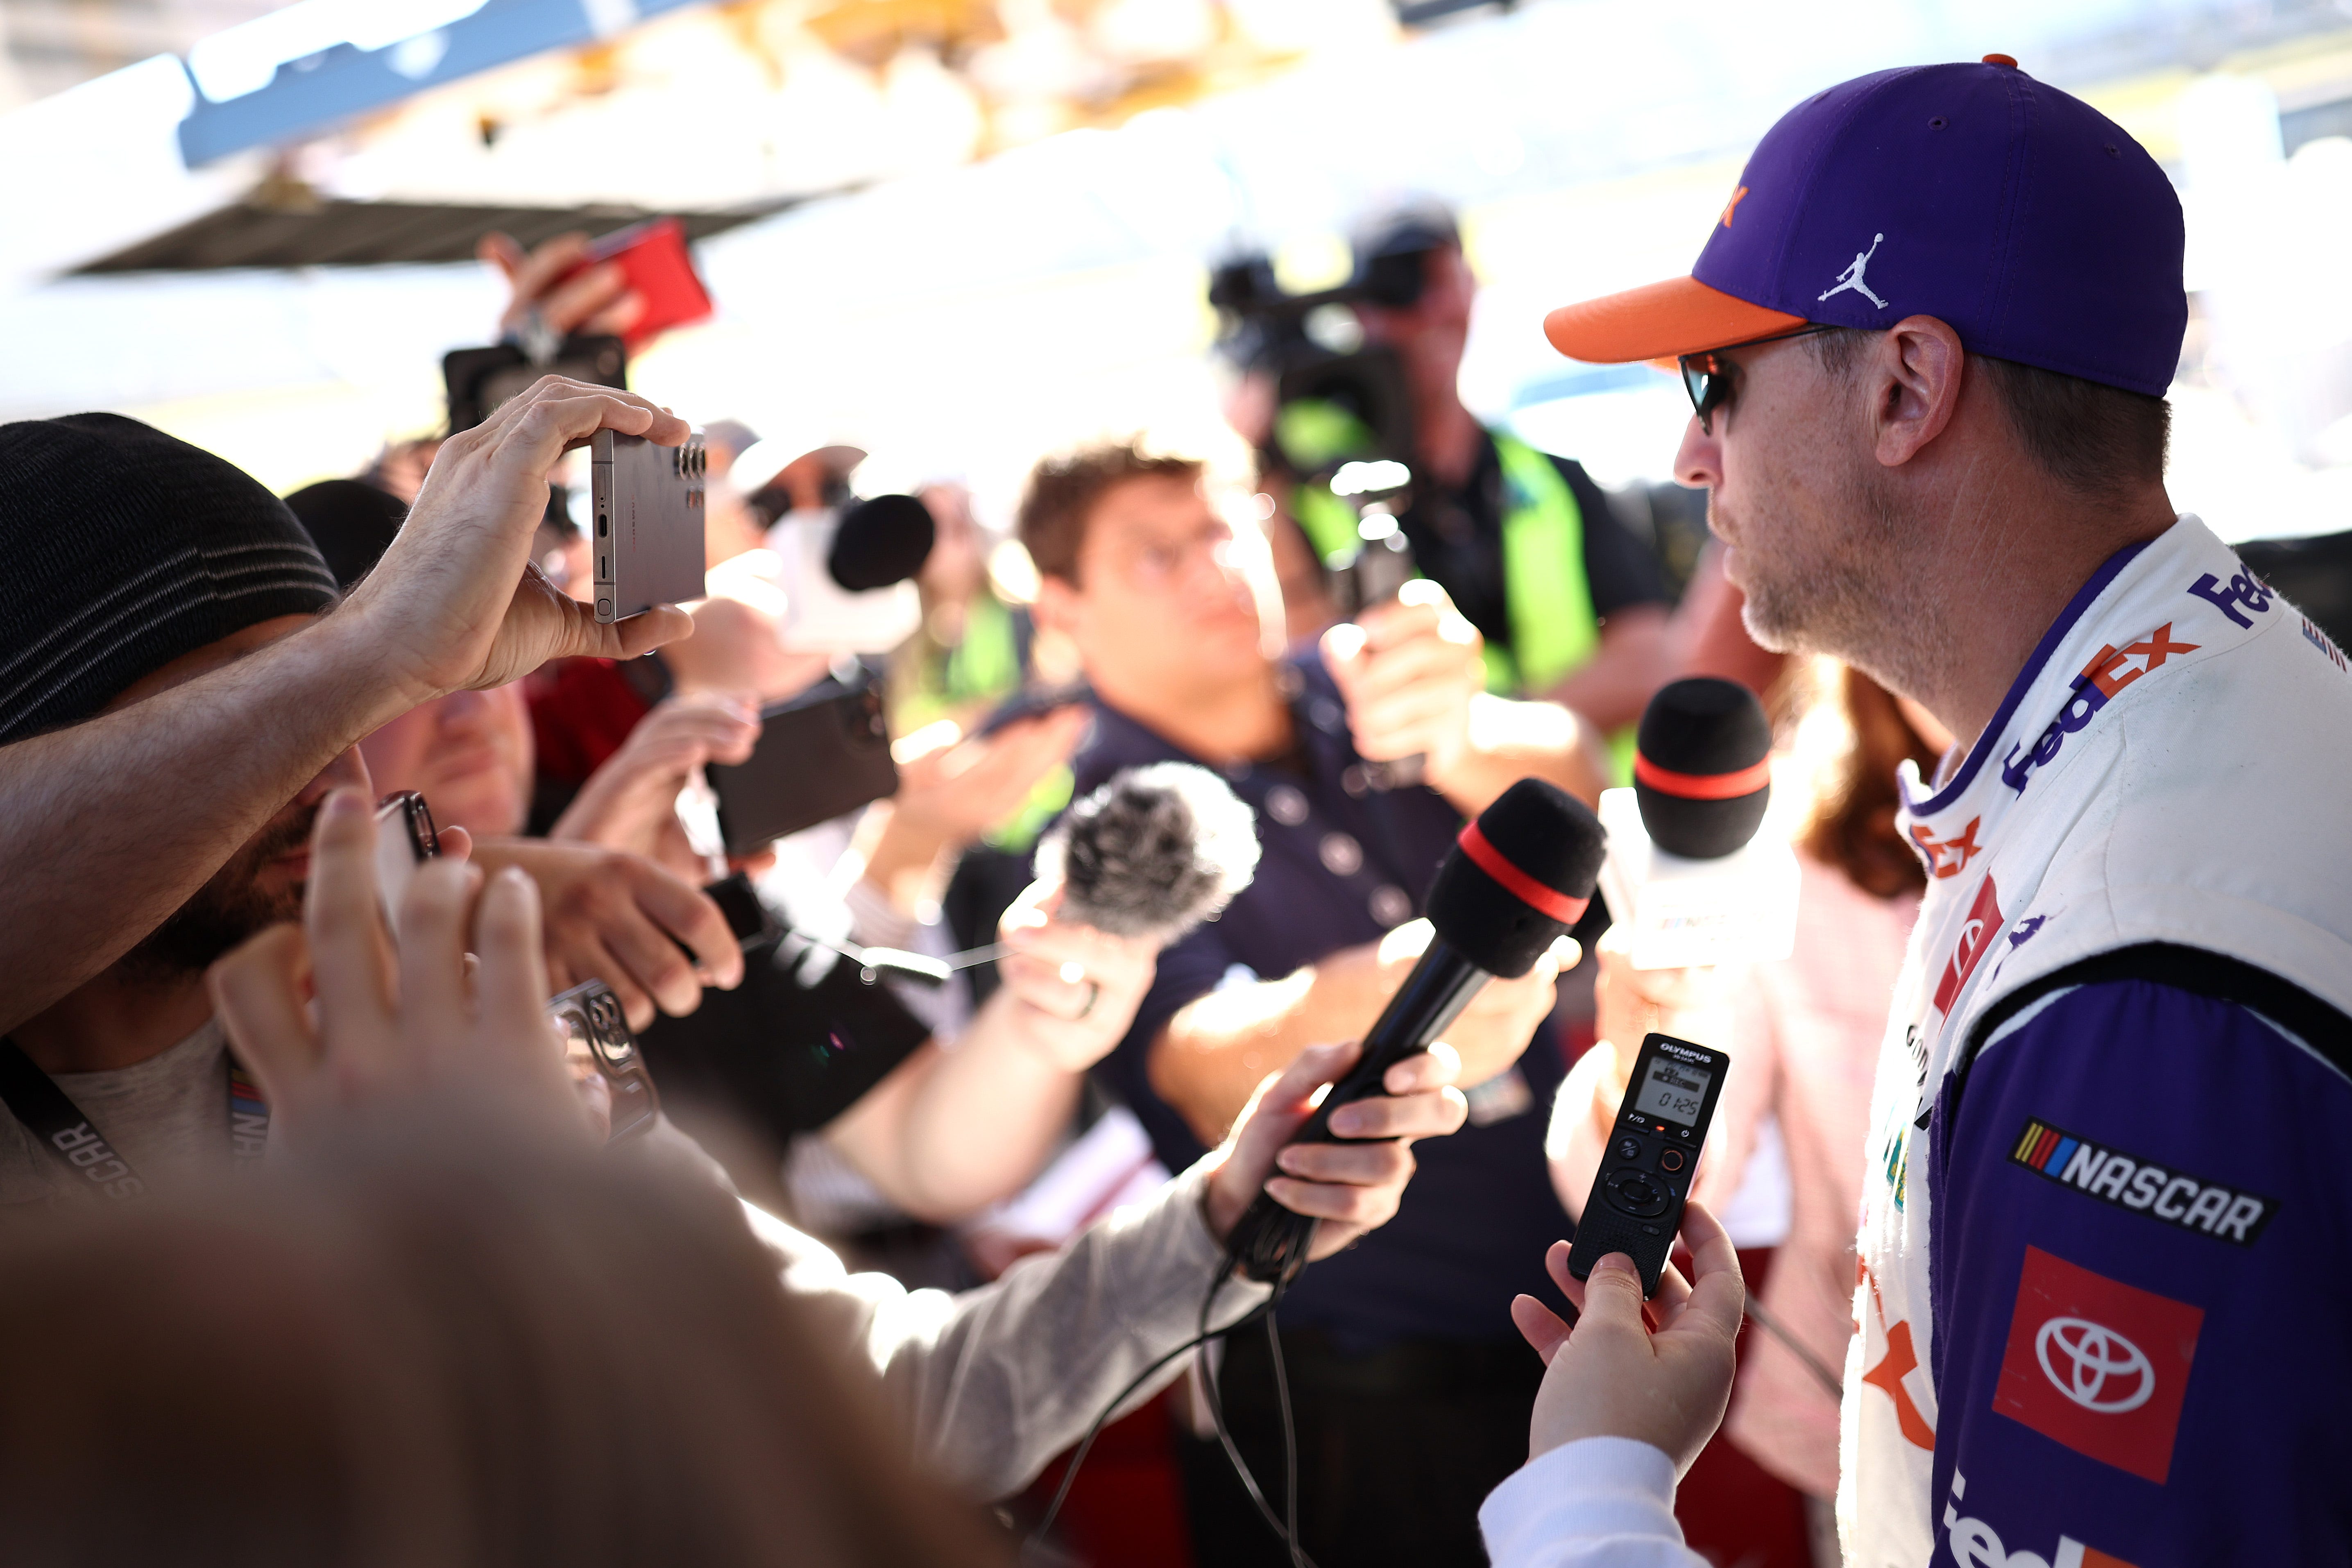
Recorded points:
581,711
653,257
1732,1510
1126,1510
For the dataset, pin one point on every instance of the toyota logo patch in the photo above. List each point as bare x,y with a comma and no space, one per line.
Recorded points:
2098,1364
2095,1367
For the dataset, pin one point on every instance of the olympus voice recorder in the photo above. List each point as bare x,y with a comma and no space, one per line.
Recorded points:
1645,1172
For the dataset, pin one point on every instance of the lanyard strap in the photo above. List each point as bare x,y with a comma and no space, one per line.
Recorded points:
34,1098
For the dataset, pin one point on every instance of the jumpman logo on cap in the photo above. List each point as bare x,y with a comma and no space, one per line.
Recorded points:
1852,277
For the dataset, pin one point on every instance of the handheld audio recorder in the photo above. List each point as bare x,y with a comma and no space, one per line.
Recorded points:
1636,1206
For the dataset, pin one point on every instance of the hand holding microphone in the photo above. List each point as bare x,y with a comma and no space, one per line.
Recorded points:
1131,868
1689,879
1515,882
1695,891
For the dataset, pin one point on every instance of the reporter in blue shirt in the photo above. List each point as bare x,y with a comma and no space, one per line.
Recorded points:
1411,1387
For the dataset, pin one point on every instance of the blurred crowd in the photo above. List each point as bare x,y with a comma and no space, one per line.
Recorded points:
333,1251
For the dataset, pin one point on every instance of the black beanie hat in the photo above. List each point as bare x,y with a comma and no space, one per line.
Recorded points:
350,522
130,549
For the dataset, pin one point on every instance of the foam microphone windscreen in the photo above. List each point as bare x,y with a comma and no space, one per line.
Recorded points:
1152,853
880,542
1519,877
1701,769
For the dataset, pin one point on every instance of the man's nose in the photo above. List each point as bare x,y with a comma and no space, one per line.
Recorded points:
1698,462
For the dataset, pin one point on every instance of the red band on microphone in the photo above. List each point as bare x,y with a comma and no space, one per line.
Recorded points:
1526,889
1702,786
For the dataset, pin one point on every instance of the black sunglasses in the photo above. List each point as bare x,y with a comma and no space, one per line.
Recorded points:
1707,376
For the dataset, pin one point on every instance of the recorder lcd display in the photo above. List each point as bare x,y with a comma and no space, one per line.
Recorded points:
1674,1091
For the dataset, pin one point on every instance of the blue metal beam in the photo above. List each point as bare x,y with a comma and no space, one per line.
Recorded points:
310,96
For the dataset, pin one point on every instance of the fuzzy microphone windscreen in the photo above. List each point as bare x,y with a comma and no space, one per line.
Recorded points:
1152,853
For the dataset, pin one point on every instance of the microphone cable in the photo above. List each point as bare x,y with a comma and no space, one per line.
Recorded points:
1283,1525
1286,1528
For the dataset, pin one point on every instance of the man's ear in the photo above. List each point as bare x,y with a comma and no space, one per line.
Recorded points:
1914,386
1059,606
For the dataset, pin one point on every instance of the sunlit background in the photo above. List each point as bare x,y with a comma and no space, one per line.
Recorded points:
963,232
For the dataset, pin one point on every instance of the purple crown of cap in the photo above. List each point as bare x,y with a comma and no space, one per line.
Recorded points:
2032,223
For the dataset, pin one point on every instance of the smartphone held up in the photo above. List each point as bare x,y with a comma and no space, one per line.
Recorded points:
597,1041
646,501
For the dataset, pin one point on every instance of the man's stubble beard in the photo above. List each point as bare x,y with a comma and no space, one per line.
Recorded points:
1868,600
228,908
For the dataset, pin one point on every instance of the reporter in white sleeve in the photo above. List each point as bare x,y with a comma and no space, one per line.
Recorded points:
1622,1411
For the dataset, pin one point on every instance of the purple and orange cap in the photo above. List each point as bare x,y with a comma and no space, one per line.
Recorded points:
2023,219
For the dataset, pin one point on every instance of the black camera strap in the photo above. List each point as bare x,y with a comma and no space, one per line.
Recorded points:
34,1098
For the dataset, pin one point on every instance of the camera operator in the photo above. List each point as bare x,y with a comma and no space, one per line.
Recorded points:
987,1385
1570,605
171,631
1412,1392
1934,432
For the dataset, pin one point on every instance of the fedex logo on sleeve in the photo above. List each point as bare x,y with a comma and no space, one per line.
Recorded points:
2242,592
2098,1365
1975,1543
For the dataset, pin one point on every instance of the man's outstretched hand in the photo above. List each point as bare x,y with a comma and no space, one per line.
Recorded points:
333,1020
456,602
564,284
1349,1187
1611,1376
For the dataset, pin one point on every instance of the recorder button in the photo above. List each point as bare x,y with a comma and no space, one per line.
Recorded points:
1637,1195
1671,1159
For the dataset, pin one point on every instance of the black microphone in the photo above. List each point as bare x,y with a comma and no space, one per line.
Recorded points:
879,541
1152,852
1515,882
1689,881
1701,773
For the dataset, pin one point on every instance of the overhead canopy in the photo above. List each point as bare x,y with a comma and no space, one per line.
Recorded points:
314,233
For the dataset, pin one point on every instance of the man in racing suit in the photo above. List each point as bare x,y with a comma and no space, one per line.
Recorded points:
2105,1292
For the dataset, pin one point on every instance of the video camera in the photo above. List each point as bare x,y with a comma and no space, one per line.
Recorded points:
1342,426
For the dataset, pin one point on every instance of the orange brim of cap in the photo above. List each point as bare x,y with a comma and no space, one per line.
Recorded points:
1660,322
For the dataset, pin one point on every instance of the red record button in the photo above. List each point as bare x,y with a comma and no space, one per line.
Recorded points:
1671,1159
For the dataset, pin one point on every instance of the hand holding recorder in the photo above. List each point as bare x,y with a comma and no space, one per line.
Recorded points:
1407,671
1613,1375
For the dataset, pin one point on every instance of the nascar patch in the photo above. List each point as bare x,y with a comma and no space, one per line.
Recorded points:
2143,1186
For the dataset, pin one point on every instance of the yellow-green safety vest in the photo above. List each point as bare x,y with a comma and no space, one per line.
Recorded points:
1554,631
